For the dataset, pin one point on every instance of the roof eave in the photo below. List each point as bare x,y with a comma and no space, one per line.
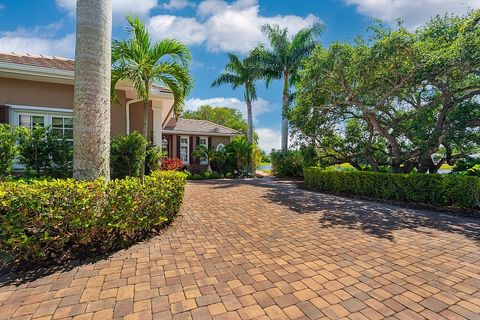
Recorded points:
216,134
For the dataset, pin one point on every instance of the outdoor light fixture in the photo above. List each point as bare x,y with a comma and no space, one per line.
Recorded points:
164,143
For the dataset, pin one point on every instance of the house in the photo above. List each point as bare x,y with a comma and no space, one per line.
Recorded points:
38,90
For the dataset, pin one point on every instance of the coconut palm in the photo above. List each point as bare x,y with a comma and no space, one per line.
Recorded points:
91,137
144,63
282,60
242,73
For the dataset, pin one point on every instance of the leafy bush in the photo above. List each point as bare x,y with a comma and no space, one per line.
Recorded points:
8,149
432,189
153,159
468,166
205,175
44,221
172,164
127,155
287,164
42,153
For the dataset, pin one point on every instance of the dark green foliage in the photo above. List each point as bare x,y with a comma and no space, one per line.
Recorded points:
8,149
468,166
45,221
432,189
205,175
127,153
287,164
42,153
153,158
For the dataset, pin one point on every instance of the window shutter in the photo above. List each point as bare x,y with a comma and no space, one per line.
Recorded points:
190,142
4,114
210,143
197,143
177,154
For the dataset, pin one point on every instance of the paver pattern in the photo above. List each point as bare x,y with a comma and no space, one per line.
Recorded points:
264,249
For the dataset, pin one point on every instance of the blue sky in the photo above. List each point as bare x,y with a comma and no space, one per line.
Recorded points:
211,28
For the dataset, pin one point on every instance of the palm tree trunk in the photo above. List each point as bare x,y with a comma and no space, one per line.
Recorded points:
145,118
146,106
91,135
285,103
250,121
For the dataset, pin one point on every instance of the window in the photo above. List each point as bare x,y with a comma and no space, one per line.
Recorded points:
63,127
31,120
184,149
61,123
203,141
220,147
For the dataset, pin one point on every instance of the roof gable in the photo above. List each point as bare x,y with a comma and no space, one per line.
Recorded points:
182,125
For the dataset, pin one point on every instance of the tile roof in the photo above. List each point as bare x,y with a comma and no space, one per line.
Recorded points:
51,62
38,60
198,126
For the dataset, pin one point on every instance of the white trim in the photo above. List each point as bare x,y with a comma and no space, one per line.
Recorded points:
194,133
40,109
127,115
157,123
188,149
204,160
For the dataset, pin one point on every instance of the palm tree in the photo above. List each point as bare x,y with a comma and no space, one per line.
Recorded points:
208,154
91,137
242,73
283,60
143,63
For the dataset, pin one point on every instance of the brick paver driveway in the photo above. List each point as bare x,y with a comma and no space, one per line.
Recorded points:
267,250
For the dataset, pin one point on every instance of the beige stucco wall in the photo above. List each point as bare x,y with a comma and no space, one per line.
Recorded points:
217,140
136,118
53,95
33,93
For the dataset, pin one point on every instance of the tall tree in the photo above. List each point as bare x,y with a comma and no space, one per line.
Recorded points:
283,61
91,138
144,63
242,73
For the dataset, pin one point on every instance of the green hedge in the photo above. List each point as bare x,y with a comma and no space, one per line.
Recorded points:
432,189
53,220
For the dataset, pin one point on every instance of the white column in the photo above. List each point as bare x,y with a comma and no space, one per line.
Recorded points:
157,122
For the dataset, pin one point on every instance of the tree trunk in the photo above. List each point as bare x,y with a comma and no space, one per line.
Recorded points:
250,121
285,103
91,135
146,104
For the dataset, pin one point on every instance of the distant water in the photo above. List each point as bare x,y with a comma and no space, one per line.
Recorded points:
265,167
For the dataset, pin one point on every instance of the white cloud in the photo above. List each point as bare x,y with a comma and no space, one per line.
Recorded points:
259,106
222,26
120,7
38,40
268,139
187,30
177,4
413,12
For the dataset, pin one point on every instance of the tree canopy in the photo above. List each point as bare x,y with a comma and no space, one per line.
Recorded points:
225,116
395,99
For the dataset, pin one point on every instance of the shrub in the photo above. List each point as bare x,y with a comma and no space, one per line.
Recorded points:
42,153
287,164
431,189
153,158
205,175
44,221
8,149
172,164
127,155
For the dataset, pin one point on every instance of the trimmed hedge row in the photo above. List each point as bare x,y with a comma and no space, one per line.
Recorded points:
432,189
53,220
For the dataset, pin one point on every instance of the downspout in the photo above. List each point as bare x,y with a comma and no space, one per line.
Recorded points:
127,115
